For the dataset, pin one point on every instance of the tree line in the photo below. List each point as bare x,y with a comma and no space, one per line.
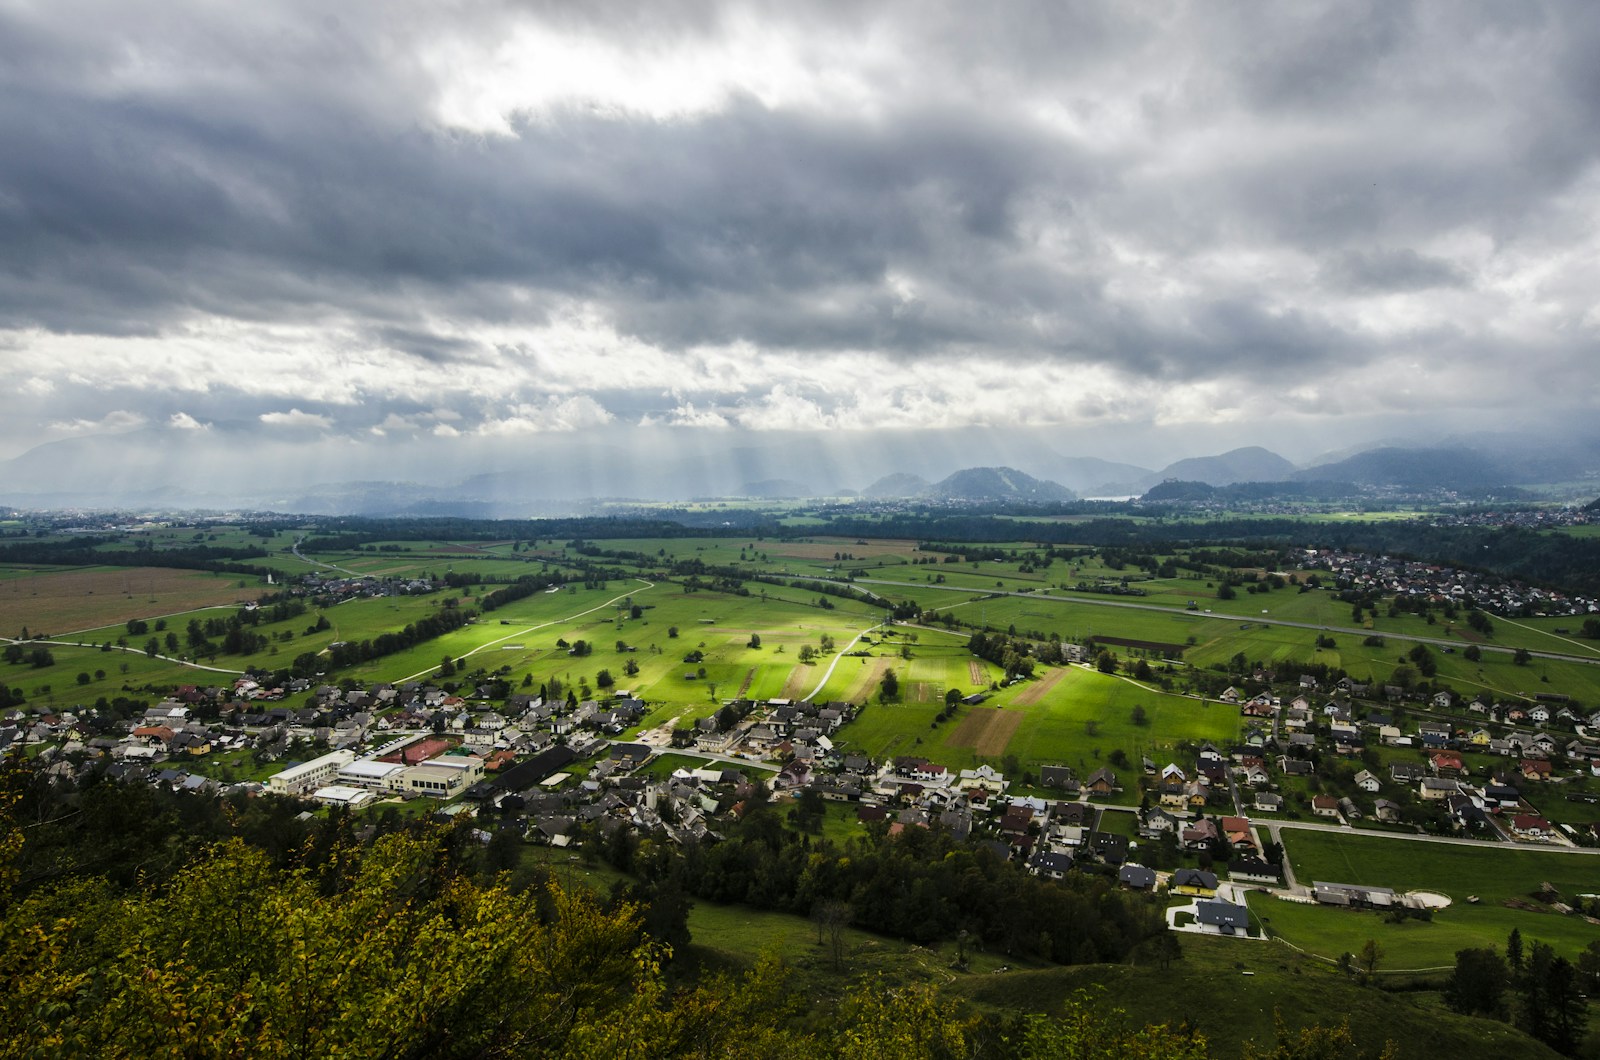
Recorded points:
1530,985
922,885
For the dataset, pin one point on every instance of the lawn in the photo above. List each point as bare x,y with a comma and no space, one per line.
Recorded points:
1079,721
1232,990
1458,871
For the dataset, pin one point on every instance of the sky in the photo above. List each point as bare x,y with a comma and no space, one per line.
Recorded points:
393,239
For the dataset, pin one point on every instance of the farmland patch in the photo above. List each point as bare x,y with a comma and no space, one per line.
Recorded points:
986,731
1036,691
827,549
1144,645
69,601
867,682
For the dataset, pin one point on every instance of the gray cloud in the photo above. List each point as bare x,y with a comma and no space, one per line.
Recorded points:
1103,209
1389,271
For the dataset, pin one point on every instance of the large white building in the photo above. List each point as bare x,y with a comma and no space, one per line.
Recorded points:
342,795
309,776
372,774
444,777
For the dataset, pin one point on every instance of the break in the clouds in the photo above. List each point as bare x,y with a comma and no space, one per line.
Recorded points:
378,222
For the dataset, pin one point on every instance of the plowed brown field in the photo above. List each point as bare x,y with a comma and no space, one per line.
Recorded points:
986,731
67,601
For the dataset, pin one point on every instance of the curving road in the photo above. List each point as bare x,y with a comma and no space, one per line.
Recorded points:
829,671
131,651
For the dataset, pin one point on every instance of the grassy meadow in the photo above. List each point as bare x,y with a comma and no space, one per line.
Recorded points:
1457,871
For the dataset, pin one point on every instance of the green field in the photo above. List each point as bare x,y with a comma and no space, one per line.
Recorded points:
1229,990
1078,721
1081,721
1457,871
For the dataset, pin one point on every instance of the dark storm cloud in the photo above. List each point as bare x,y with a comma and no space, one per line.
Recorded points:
1383,271
688,230
1172,195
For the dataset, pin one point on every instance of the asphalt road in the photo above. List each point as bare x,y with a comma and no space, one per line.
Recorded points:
1413,837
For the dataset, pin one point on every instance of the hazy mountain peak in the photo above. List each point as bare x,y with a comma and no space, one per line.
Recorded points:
1251,463
1000,484
897,486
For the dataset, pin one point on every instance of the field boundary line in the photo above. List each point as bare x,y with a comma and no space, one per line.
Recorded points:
131,650
530,629
1376,971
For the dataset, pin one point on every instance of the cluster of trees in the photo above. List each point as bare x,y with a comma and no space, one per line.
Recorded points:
824,647
921,885
517,590
448,618
86,552
209,930
1013,655
38,656
827,589
1540,992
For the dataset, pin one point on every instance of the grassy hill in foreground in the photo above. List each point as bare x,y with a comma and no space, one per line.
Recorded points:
1228,989
1231,990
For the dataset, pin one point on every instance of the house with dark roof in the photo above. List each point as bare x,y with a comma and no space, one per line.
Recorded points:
1111,848
1050,864
1193,881
1255,870
1101,782
1225,917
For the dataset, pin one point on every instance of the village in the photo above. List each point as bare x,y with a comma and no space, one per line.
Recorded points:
1389,576
564,772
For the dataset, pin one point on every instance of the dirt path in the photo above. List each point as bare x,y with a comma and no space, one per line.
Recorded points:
867,683
795,686
986,731
1036,691
750,675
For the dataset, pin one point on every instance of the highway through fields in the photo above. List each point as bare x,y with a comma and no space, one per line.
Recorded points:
1268,621
1491,844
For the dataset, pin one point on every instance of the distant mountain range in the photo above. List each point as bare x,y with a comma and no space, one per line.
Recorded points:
223,468
1454,468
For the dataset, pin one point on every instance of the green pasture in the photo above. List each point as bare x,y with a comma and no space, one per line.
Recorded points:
1586,530
523,636
1315,607
125,673
1233,990
664,765
1078,722
1458,871
20,573
740,934
1088,714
